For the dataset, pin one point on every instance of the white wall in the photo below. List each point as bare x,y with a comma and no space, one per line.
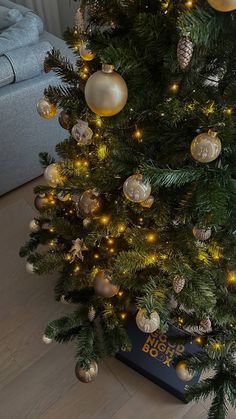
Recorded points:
57,15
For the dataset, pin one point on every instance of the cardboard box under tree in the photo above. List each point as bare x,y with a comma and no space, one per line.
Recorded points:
152,356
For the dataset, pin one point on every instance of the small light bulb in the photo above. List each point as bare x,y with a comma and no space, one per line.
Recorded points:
120,293
104,219
96,256
123,316
151,237
174,87
137,135
121,228
189,4
110,241
231,277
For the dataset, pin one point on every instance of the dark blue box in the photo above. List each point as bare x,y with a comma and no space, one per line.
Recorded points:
153,355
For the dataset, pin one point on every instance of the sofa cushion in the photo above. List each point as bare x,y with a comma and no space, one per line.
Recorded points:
8,17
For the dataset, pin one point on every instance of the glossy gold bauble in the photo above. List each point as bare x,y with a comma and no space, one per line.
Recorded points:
223,5
52,175
148,203
206,147
87,375
34,226
40,202
136,189
85,53
182,372
106,92
46,109
65,120
90,203
103,285
147,324
201,234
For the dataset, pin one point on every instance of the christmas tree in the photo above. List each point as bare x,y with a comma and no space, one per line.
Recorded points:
138,212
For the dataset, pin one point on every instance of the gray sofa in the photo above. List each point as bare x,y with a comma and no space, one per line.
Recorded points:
23,133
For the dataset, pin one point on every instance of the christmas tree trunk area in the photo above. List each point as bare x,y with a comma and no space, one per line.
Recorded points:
138,215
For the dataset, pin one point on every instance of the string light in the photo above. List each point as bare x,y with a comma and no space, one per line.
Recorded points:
174,87
52,243
104,219
51,229
150,259
151,237
120,293
96,256
228,111
123,316
110,241
189,4
198,340
231,277
112,250
102,151
138,134
121,228
216,345
68,257
77,269
98,122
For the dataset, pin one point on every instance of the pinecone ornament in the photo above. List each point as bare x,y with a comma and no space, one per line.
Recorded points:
184,51
91,314
205,325
178,283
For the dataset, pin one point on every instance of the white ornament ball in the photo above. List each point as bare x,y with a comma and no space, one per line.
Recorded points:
201,234
206,147
182,372
29,268
47,340
178,283
136,189
34,226
52,175
147,324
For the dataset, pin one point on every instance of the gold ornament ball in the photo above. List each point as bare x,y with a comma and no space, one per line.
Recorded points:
223,5
46,109
34,226
148,203
182,372
206,147
136,189
90,203
85,53
103,285
86,375
201,234
40,202
52,175
147,324
65,120
106,92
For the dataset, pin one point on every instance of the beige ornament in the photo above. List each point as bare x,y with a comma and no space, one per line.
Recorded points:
147,324
184,51
223,5
106,92
206,147
85,53
40,202
201,234
103,285
82,133
52,175
46,109
86,375
205,325
182,372
148,203
76,250
47,340
136,189
178,283
34,226
29,267
90,203
91,314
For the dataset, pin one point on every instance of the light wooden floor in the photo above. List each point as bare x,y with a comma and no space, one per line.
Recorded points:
37,380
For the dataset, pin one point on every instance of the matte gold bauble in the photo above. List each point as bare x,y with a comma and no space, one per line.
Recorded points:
106,92
136,189
65,120
182,372
103,285
206,147
34,226
85,53
86,375
40,202
148,203
52,175
90,203
223,5
46,109
201,234
147,324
